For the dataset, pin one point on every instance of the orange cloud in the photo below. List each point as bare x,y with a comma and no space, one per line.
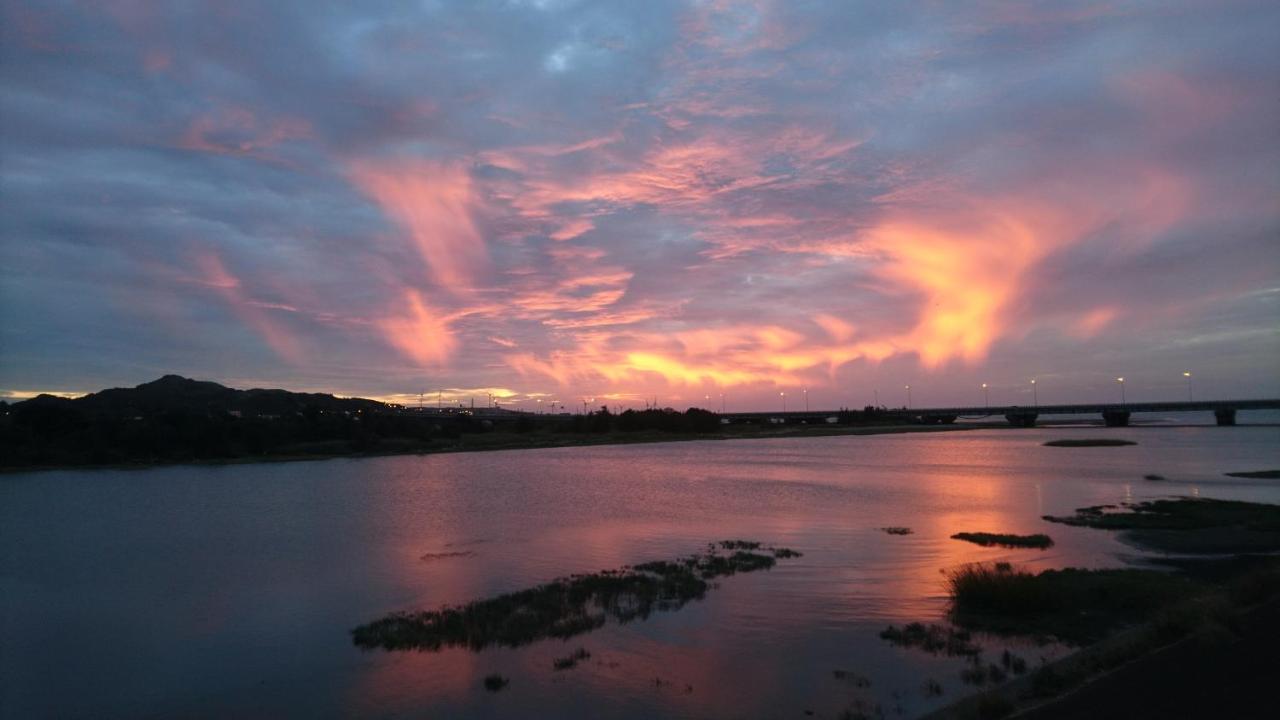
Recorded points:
419,332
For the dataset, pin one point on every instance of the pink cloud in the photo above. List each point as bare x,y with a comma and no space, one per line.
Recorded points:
419,332
433,202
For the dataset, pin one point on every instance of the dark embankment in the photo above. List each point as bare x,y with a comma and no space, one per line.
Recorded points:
1089,442
570,606
1038,541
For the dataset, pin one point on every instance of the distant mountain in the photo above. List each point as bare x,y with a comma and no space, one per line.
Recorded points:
176,393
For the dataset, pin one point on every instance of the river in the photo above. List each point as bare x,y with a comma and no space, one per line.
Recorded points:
215,591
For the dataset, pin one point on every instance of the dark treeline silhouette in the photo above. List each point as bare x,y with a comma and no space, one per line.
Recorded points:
693,420
175,419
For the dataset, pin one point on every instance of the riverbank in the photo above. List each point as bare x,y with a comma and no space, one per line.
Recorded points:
498,440
1205,640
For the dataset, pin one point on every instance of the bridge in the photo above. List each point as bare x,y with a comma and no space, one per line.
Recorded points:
1113,414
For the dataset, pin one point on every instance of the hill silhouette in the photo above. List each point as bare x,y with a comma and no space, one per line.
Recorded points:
175,418
174,392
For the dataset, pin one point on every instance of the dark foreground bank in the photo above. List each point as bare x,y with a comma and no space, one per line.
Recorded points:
1195,638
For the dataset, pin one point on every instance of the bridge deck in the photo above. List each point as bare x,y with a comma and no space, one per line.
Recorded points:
1001,410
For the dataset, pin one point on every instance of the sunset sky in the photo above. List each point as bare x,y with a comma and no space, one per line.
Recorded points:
631,200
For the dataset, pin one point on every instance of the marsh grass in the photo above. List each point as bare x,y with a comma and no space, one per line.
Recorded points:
934,639
1089,442
896,530
570,661
1076,606
1176,514
569,606
985,539
1188,525
1153,477
495,682
853,678
1257,474
448,555
1013,663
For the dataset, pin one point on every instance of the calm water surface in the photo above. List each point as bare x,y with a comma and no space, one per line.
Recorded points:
231,591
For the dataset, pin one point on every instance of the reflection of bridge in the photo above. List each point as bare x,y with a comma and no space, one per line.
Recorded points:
1113,414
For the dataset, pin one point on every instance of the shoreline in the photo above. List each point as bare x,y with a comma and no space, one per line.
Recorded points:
639,438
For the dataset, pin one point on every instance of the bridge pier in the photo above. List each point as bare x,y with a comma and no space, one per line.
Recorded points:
1116,418
1225,416
1022,419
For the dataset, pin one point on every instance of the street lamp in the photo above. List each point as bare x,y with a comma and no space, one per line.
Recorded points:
721,403
783,395
986,397
1121,381
806,399
908,388
1187,375
1035,398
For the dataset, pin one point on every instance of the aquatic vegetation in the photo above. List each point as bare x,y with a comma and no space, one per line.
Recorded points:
852,678
897,530
1073,605
1014,541
495,682
1188,525
1153,477
432,556
1013,663
738,545
1176,514
979,674
566,607
935,639
1089,442
1256,475
570,661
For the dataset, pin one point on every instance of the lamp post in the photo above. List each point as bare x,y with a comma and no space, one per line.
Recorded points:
707,398
908,389
721,403
1187,375
1122,400
783,395
986,398
806,399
